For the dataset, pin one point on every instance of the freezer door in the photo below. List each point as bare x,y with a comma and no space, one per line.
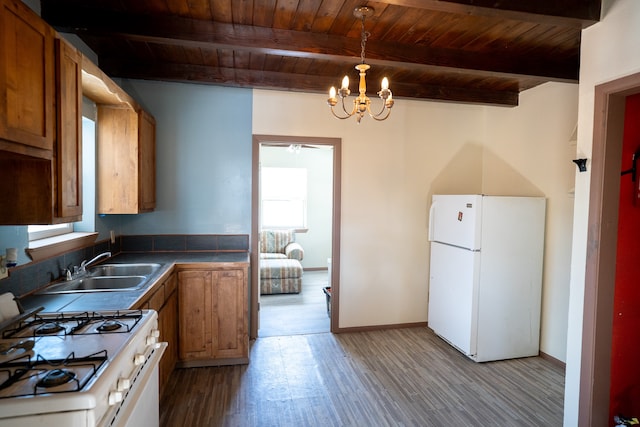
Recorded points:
455,220
453,281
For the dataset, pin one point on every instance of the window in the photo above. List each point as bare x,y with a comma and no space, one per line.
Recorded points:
284,197
37,232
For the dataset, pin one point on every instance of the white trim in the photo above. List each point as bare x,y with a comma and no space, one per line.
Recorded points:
37,232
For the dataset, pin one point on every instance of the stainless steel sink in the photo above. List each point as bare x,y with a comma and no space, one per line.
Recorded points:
97,284
114,270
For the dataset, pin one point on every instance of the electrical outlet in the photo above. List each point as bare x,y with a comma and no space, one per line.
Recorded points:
4,272
113,237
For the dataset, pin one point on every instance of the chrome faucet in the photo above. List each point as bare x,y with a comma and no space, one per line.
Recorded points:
74,272
85,263
79,271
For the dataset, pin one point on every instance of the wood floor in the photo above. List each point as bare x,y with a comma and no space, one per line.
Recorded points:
399,377
295,314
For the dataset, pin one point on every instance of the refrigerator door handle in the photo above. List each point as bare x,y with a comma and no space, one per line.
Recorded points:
431,210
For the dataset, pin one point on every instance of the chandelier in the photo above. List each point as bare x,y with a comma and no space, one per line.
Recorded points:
362,104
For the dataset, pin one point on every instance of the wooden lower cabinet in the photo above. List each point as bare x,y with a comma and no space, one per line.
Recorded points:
164,300
168,325
213,316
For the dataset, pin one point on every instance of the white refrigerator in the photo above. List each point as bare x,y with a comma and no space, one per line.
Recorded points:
485,275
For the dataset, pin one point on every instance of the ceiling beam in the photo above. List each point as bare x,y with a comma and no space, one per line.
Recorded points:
301,82
212,35
569,13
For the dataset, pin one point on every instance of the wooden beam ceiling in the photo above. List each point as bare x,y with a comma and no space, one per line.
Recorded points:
512,45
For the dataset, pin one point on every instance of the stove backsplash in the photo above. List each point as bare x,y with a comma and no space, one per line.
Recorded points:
30,277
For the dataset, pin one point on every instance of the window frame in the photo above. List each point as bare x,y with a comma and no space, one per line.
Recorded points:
38,232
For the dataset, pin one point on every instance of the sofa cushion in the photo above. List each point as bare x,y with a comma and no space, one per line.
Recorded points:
294,251
269,255
280,268
274,241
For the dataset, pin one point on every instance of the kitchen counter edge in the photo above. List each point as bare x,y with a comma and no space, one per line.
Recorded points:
122,300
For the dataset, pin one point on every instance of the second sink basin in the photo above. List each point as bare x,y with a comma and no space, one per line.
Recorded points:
97,284
110,270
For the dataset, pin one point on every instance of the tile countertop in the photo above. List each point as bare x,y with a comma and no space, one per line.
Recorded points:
118,300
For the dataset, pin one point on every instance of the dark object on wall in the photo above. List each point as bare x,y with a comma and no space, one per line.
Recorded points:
634,174
633,170
582,164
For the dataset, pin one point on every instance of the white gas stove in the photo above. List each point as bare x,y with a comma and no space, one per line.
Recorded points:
80,369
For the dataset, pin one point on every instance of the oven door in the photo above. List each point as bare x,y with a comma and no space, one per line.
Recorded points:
140,406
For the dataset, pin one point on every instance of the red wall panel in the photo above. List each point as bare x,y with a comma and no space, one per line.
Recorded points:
625,355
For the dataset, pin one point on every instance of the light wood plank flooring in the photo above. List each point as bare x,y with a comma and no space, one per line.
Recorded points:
399,377
295,314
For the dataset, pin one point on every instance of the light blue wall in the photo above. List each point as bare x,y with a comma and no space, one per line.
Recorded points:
203,162
15,237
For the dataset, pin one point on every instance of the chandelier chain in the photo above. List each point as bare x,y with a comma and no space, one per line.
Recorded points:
363,42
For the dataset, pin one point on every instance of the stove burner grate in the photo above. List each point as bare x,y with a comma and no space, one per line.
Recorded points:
56,377
16,348
51,376
49,328
110,325
120,321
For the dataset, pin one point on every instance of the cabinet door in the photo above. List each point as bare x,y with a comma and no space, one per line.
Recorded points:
230,314
27,104
126,161
168,323
147,159
117,160
195,314
68,132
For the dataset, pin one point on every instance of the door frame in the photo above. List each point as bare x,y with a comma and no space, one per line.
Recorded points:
602,236
285,141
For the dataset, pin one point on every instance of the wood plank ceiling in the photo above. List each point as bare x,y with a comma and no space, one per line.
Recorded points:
467,51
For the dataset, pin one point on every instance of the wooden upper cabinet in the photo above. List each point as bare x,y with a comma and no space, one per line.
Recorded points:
40,144
147,158
68,153
126,160
27,97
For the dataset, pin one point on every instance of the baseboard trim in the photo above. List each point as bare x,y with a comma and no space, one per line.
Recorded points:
381,327
553,360
212,362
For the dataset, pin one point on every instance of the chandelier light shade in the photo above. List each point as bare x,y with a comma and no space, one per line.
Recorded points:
362,103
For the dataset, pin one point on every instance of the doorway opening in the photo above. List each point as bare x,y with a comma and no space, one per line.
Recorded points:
600,272
321,235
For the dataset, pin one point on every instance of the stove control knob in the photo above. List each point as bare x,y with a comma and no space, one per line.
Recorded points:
123,384
115,397
138,359
155,333
151,340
